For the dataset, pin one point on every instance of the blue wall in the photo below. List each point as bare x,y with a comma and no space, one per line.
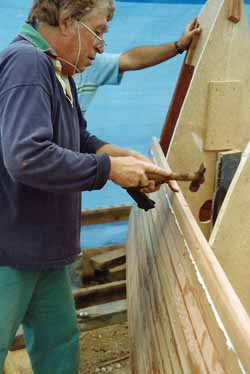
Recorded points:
131,114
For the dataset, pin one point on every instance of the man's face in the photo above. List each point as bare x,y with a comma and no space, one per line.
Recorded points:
82,43
91,38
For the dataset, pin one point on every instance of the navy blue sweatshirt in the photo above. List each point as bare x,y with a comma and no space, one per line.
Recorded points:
46,158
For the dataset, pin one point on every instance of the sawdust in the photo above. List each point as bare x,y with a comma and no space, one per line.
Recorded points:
100,346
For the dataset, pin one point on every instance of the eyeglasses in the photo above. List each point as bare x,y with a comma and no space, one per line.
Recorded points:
100,41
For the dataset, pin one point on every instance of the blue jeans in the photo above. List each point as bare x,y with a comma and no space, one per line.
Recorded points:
42,302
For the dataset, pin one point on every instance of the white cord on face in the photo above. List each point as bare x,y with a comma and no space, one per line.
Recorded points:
76,70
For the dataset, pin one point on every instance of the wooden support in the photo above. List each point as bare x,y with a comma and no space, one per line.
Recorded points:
109,259
100,294
102,315
179,95
234,14
83,267
118,272
181,88
105,214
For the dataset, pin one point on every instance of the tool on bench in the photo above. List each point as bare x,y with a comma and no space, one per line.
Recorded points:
144,202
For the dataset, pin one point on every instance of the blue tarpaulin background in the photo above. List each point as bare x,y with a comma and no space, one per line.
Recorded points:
131,114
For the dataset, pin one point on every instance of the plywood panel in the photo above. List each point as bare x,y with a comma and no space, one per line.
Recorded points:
222,54
230,237
223,113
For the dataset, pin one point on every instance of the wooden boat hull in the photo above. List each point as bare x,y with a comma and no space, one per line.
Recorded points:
183,313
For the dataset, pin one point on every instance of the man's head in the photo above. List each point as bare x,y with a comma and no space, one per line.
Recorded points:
61,23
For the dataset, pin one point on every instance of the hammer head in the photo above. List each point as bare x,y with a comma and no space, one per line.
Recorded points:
198,180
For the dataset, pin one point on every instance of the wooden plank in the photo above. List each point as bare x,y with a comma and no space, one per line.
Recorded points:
165,224
109,259
100,294
177,306
102,315
105,214
118,272
197,300
234,13
17,362
83,266
226,301
152,349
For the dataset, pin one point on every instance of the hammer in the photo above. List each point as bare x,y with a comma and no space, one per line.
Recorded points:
144,202
196,178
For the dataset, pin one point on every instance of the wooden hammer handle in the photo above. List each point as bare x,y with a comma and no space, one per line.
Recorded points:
186,177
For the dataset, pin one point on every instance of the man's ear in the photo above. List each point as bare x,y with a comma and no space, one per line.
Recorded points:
65,25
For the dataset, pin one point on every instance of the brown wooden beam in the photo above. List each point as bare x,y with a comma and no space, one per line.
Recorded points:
100,294
109,259
234,14
181,88
105,214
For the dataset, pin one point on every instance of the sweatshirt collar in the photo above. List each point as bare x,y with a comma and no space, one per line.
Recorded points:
29,33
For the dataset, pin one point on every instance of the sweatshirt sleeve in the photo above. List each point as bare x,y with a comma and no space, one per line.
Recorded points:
32,157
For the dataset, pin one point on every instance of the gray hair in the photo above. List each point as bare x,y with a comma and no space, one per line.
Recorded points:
50,11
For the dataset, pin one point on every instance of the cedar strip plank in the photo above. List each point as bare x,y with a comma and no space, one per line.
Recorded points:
191,290
196,360
109,259
179,95
146,308
172,331
168,357
140,353
105,214
102,315
227,357
220,289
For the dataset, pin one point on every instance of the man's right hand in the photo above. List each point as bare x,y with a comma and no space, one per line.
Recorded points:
132,172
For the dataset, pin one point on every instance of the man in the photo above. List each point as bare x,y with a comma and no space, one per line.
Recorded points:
108,68
47,157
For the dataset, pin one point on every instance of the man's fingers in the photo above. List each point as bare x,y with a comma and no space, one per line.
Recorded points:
156,170
193,23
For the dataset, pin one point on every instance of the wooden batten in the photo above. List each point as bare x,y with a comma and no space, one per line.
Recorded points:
181,306
235,10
